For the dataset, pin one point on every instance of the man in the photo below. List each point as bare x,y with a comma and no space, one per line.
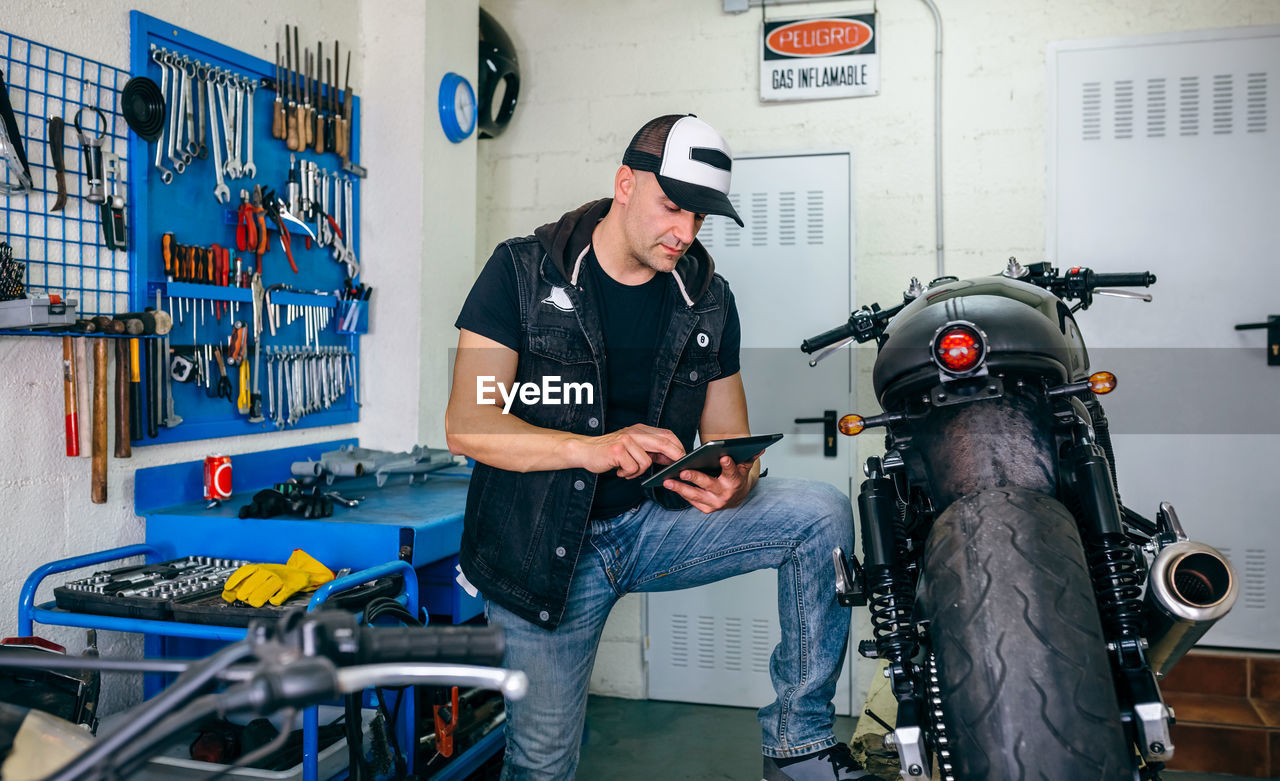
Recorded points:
588,353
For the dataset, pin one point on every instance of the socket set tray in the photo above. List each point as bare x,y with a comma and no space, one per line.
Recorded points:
188,589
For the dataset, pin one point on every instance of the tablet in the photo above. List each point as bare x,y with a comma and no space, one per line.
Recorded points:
707,458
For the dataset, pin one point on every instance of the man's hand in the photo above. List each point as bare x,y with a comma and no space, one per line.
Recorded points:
708,493
631,450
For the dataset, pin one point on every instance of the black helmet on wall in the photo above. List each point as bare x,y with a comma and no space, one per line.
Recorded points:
499,81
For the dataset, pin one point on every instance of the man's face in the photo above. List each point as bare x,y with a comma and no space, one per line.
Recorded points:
658,231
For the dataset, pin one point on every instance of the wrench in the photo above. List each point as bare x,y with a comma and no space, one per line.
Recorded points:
238,134
228,124
220,191
175,106
250,170
349,258
189,72
202,76
166,175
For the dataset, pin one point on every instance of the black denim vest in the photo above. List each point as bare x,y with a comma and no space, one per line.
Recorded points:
523,531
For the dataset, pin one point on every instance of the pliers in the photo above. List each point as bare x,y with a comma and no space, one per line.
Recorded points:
246,226
224,382
275,210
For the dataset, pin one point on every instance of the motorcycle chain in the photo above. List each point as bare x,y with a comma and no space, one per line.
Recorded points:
940,738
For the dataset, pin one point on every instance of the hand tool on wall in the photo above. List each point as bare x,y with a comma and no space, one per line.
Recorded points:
123,399
93,155
69,396
83,394
166,176
332,138
154,412
204,82
135,391
107,325
242,398
56,133
339,120
249,169
255,398
259,212
277,106
276,210
301,141
291,111
246,227
111,211
166,251
236,345
223,388
308,131
346,118
98,470
171,417
11,151
220,191
321,76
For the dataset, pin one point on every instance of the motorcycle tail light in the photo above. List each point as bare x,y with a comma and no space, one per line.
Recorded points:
1102,383
852,425
958,349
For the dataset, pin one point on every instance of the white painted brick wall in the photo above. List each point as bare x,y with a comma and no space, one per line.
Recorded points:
594,72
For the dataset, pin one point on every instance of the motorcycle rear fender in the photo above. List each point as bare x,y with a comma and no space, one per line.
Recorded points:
1028,331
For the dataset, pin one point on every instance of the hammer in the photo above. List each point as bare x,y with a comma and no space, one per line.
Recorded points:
98,474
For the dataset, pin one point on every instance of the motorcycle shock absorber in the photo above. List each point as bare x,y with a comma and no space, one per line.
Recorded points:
891,596
1113,564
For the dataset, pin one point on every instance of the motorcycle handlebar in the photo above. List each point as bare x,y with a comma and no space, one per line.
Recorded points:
449,644
837,334
1132,279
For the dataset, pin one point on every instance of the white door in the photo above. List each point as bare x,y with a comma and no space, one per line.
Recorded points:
791,273
1164,157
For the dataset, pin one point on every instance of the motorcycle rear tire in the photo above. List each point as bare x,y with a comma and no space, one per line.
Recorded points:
1026,688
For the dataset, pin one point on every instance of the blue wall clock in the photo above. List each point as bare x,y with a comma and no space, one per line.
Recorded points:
457,104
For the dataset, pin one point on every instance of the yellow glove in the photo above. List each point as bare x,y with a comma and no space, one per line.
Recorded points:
317,573
259,583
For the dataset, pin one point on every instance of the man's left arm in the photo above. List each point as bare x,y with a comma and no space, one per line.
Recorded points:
724,416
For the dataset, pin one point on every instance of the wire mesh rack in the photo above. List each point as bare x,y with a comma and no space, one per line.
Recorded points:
63,250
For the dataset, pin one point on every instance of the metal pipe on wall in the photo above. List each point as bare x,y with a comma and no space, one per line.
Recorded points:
937,132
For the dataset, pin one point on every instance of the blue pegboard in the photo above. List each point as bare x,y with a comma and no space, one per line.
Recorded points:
63,250
187,208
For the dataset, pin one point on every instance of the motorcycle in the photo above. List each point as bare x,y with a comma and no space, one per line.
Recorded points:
1004,576
301,660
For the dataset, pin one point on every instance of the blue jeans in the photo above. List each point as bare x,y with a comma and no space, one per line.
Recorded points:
788,525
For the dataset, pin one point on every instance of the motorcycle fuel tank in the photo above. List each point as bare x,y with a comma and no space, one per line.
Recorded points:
1027,330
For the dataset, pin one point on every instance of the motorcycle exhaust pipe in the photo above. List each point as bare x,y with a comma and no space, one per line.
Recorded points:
1190,586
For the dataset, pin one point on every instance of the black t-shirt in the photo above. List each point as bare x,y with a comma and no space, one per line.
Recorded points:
634,319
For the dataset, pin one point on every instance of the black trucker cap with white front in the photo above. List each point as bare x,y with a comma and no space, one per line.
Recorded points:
691,160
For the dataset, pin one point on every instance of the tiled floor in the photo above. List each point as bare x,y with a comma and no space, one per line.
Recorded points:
642,740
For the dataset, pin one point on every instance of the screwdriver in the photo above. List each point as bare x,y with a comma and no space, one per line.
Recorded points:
277,118
166,244
291,114
300,138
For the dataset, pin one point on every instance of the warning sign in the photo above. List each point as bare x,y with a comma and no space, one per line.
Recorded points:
831,57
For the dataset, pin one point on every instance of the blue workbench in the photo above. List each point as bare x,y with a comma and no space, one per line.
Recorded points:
401,527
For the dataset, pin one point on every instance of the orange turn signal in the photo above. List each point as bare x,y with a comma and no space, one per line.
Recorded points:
1102,383
852,425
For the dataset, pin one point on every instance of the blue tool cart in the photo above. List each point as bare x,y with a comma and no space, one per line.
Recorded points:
411,529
